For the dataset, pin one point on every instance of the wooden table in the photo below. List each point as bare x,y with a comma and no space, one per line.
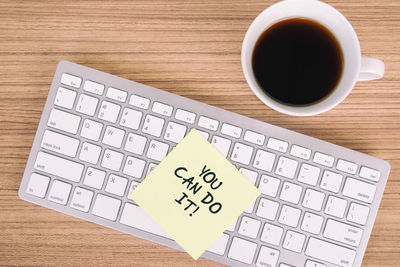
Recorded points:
190,48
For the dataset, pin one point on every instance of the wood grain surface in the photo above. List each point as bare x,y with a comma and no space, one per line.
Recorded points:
190,48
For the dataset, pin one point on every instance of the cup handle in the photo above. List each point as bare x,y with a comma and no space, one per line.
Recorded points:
371,69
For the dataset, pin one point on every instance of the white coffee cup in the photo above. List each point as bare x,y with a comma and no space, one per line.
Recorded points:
355,68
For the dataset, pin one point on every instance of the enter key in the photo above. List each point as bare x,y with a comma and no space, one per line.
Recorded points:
343,233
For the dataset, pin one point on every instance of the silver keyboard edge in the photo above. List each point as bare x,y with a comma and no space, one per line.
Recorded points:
201,109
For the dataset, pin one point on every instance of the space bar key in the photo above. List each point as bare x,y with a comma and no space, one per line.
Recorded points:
135,217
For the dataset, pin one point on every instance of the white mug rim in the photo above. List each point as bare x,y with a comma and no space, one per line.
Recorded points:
351,66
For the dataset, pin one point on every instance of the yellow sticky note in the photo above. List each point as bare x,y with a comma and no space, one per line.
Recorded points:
194,194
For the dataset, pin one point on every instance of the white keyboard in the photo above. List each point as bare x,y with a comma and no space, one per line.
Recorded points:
100,135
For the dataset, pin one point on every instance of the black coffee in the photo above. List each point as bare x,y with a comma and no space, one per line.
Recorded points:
297,62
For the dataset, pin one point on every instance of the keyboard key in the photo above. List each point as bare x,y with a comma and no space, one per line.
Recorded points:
135,217
231,130
157,150
264,160
81,199
300,152
271,234
277,145
140,102
250,175
185,116
329,252
310,263
255,138
71,80
64,121
267,257
59,167
109,111
313,199
65,98
133,186
343,232
294,241
285,265
135,143
113,136
331,181
205,134
359,190
150,168
60,143
289,216
90,153
116,185
358,213
312,223
308,174
106,207
222,144
174,132
208,123
346,166
249,227
93,87
232,226
116,94
37,185
91,129
267,209
335,206
59,192
269,185
242,250
370,174
112,160
131,118
286,167
242,153
291,192
153,125
162,109
94,178
134,167
87,105
219,246
323,159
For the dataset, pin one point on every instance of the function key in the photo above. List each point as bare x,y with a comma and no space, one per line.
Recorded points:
254,137
208,123
139,101
346,166
300,152
116,94
185,116
323,159
93,87
71,80
370,174
37,185
231,130
277,145
162,109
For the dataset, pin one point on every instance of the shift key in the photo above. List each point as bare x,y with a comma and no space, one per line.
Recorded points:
58,166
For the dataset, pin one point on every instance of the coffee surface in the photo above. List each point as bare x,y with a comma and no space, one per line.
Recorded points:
297,62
